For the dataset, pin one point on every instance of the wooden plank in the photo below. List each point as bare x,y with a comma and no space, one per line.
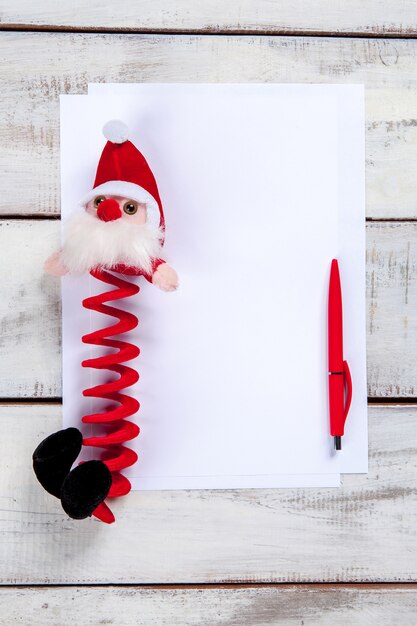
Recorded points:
30,311
364,532
323,16
30,357
37,67
285,605
392,309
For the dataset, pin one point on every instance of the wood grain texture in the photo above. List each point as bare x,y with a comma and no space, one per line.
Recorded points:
207,536
30,313
365,531
286,605
37,67
322,16
392,309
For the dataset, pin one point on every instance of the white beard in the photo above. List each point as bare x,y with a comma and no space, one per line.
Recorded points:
89,242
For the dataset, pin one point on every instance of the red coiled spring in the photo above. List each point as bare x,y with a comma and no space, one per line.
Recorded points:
116,456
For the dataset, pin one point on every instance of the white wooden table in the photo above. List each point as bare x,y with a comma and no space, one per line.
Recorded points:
243,557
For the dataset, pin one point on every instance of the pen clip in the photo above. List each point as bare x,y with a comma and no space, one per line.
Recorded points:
348,384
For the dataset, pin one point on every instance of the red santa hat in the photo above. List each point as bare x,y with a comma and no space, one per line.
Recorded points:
124,171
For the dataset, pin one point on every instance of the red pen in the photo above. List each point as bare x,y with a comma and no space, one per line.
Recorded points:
340,382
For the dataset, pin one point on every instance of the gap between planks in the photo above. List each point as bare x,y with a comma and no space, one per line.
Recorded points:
381,402
227,585
208,31
48,216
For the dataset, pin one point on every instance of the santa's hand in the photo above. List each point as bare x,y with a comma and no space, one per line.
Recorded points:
165,277
54,266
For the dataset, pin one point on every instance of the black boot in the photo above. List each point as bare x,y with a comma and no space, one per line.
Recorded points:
54,457
85,488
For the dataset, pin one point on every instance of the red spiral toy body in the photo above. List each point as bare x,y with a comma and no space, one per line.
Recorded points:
116,455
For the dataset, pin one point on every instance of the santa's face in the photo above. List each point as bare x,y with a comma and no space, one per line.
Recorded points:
109,231
109,208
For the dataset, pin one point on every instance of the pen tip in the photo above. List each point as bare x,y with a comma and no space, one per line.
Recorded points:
338,443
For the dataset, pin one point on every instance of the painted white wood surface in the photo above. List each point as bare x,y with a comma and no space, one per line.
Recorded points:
37,67
30,311
322,16
392,309
365,531
284,605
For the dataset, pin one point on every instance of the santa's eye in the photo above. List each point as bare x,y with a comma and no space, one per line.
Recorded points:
98,200
130,207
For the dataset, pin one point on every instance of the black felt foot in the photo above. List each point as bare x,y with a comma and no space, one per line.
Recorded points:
85,488
53,458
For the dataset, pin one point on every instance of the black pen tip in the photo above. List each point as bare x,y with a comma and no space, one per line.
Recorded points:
338,443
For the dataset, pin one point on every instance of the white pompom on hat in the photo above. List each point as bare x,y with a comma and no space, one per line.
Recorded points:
116,131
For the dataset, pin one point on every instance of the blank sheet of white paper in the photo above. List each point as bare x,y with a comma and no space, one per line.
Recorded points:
262,185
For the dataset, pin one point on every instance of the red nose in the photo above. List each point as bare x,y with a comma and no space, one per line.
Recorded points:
109,210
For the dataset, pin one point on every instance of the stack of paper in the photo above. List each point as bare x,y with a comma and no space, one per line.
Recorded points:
262,185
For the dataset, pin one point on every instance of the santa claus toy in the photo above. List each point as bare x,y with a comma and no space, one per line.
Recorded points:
118,232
